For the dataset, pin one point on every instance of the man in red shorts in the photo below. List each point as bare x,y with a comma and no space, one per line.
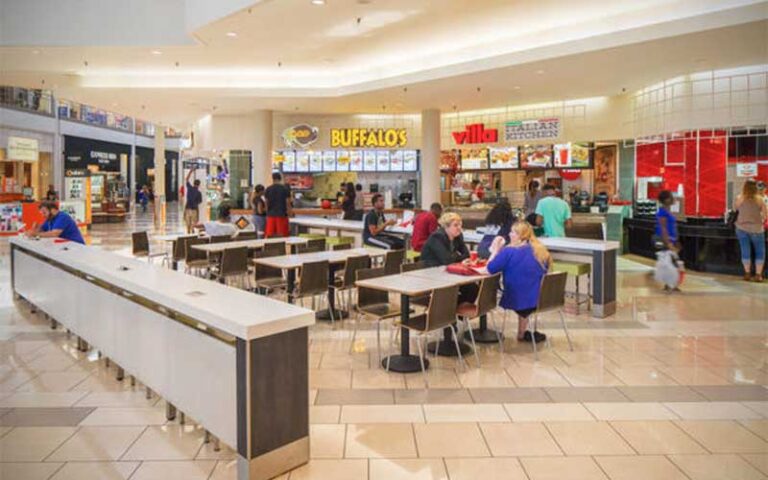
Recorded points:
279,208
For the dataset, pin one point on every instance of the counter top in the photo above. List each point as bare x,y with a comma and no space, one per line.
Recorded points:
230,310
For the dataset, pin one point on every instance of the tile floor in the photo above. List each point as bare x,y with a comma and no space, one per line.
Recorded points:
671,387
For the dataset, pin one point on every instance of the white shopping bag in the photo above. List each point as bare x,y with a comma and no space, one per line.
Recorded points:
668,268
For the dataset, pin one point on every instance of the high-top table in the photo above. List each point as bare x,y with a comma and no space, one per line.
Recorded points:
290,263
235,362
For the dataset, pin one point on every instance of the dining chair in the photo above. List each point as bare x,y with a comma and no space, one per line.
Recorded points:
196,261
140,247
234,264
313,283
345,281
551,298
392,261
266,278
372,303
485,303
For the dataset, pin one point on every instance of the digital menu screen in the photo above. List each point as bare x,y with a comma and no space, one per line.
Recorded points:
410,160
382,161
329,161
315,161
474,159
369,160
572,155
302,161
289,161
449,159
396,161
342,161
355,161
504,158
536,156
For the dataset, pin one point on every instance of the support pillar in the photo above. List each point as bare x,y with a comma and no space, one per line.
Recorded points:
159,177
430,157
261,148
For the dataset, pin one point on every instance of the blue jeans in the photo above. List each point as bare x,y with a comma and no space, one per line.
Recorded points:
756,241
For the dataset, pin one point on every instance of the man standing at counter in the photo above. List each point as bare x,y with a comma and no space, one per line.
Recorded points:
57,224
374,225
278,200
553,213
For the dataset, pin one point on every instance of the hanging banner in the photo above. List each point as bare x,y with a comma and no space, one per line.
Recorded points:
538,129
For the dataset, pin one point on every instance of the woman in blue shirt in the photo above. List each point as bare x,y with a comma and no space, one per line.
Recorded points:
523,264
666,223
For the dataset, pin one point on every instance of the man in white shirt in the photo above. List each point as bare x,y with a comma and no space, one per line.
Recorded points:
221,226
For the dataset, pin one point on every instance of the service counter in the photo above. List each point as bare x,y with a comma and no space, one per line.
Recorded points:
235,362
316,212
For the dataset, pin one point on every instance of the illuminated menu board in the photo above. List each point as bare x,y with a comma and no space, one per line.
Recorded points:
474,159
302,161
504,158
355,161
289,161
329,161
572,155
369,160
342,161
410,160
536,156
396,161
315,161
382,161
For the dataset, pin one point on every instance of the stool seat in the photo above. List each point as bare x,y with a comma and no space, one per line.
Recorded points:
312,236
329,241
572,268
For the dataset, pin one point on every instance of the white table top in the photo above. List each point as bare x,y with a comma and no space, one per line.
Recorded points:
288,262
256,243
418,282
231,310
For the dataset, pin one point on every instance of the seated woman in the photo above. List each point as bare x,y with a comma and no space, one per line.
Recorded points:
446,246
498,222
523,264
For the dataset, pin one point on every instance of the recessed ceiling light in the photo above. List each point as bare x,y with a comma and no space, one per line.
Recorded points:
516,87
156,52
231,34
539,72
35,52
318,2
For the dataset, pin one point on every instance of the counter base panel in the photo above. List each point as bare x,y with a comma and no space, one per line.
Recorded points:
274,463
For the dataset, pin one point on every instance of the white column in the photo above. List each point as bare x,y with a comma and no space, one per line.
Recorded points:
261,149
57,157
159,176
430,157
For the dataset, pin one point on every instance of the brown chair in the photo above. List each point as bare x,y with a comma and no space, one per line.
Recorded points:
196,260
409,267
313,282
267,278
372,303
140,247
179,250
310,248
247,236
275,248
318,243
221,238
341,246
551,298
440,314
392,261
234,264
346,279
484,304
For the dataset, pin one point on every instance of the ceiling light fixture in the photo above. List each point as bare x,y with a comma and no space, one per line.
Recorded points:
156,52
35,52
231,34
318,2
539,72
516,87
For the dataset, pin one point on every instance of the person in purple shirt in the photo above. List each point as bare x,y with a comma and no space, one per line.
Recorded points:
522,263
57,224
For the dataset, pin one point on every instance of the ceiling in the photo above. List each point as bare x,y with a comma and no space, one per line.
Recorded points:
397,56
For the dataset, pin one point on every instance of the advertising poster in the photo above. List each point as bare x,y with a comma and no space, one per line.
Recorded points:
536,156
504,158
315,161
329,161
355,161
410,161
342,161
474,159
382,161
605,170
396,161
369,160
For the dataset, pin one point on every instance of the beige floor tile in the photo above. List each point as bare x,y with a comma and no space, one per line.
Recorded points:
716,467
641,375
485,469
41,399
97,443
712,411
175,470
312,396
559,468
757,460
639,468
131,398
436,378
465,413
519,439
380,441
589,376
96,471
327,441
324,413
628,358
53,382
548,412
11,379
723,436
32,444
168,442
630,411
404,469
759,407
208,452
588,438
485,377
697,375
382,414
332,469
28,471
440,440
377,379
758,427
536,376
344,360
657,438
330,378
106,416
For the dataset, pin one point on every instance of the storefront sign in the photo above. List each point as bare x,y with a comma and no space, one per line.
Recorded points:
746,169
301,135
476,134
538,129
570,175
369,137
22,149
104,158
77,172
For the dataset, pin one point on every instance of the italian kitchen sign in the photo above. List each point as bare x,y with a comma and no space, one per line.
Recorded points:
476,133
538,129
369,137
301,136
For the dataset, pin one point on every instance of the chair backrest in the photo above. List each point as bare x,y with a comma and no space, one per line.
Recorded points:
552,293
314,278
310,248
341,246
192,254
180,248
409,267
247,236
352,265
234,261
393,260
139,242
442,308
370,296
318,243
220,238
275,249
263,271
487,296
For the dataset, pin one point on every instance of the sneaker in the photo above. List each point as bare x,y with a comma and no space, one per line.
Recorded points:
540,337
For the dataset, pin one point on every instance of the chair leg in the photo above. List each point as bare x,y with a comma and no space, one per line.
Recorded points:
421,360
472,338
532,329
354,334
455,332
391,341
565,329
378,341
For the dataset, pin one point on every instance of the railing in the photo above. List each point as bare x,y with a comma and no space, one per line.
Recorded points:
34,100
70,110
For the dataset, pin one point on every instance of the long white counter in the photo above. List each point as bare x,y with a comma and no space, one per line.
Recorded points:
234,361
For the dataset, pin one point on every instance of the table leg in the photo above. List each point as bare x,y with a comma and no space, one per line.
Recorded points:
447,346
290,282
325,314
482,334
404,362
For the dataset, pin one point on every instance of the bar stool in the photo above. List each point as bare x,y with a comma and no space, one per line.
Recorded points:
576,270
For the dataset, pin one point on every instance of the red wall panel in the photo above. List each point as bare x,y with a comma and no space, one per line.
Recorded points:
712,181
690,183
649,159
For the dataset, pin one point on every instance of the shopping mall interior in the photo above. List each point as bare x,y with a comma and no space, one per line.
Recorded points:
383,240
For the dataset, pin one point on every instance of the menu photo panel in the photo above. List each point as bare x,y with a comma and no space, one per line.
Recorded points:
355,160
289,161
342,160
329,161
315,161
536,156
382,161
396,161
369,160
410,160
504,158
474,159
